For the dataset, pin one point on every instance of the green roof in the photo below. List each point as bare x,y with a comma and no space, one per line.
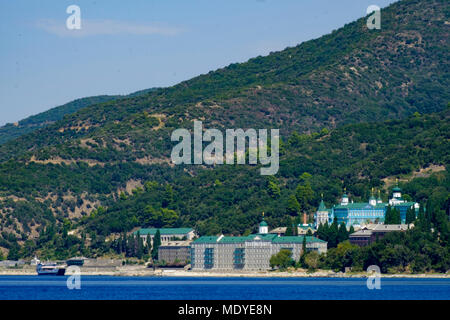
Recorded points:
207,239
163,231
360,205
266,237
322,206
396,189
233,239
263,224
296,239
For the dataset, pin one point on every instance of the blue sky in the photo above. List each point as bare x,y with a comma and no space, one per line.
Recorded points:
125,46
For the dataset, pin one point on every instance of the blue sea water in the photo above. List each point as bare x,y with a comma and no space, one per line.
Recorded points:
182,288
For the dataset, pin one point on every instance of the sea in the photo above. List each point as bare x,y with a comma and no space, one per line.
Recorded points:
213,288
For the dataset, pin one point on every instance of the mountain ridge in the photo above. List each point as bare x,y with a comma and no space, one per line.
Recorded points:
11,131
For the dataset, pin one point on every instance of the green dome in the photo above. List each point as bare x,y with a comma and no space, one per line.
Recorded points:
396,189
263,224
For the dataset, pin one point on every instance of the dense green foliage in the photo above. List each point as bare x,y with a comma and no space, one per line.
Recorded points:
230,199
282,260
11,131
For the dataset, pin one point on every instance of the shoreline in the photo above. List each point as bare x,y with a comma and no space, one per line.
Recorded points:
145,272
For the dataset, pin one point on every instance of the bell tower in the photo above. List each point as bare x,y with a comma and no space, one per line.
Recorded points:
263,227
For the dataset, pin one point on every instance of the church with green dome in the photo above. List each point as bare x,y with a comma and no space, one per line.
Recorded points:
359,213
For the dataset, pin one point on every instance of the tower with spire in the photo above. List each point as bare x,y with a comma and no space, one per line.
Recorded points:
344,200
263,227
379,197
396,195
321,216
372,200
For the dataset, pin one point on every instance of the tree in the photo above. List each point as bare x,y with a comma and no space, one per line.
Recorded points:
156,244
304,195
410,215
312,260
333,234
352,230
342,233
140,246
282,260
289,228
148,247
392,216
396,218
273,189
388,215
14,252
293,207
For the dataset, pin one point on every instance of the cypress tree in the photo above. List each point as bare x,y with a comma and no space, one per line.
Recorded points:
289,229
396,218
156,244
342,233
388,215
148,247
333,234
352,230
140,246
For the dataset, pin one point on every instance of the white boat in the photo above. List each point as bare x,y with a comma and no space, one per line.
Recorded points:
50,269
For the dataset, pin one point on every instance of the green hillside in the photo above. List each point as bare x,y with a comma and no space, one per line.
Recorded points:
11,131
351,75
355,108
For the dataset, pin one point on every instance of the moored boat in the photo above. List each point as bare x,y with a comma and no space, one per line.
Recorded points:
50,269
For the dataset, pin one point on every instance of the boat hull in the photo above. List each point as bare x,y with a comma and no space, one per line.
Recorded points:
59,272
50,271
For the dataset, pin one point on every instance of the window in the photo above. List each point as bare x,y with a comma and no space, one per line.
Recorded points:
209,258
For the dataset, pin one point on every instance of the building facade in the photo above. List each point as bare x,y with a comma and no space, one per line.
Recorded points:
167,234
252,252
175,252
359,213
375,232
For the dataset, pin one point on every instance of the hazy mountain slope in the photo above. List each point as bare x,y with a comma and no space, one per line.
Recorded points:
351,75
11,131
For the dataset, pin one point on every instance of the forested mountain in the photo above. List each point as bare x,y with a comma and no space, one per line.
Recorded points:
11,131
355,108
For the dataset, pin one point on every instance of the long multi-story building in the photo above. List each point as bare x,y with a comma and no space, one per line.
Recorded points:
167,234
360,213
252,252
